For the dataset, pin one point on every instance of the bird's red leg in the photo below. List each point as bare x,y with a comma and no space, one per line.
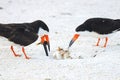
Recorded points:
23,50
16,55
106,40
98,42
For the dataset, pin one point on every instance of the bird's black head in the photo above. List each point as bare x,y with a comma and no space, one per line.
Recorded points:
39,24
84,27
80,28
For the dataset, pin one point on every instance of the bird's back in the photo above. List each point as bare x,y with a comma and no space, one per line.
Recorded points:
23,34
103,25
22,37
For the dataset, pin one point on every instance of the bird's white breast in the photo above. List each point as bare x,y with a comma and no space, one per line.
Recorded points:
92,34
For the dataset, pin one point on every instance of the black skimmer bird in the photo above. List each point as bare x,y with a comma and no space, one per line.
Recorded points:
25,34
100,26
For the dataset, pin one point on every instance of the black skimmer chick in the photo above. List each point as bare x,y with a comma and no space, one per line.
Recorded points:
62,54
25,34
100,26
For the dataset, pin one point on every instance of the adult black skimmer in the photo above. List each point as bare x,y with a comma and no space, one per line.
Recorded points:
25,34
100,26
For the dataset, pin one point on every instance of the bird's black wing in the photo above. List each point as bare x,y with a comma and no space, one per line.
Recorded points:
7,29
103,26
27,26
23,36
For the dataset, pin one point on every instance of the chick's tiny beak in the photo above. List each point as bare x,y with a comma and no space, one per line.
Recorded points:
73,39
45,42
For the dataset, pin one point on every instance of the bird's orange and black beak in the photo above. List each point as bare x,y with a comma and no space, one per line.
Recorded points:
75,37
46,44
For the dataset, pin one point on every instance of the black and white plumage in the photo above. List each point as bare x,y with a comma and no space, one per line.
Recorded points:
100,27
23,34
